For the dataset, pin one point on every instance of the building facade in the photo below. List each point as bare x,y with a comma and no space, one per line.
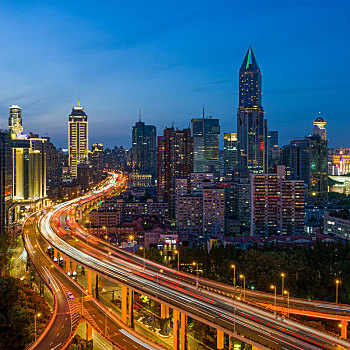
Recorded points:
231,160
5,180
277,205
175,161
78,138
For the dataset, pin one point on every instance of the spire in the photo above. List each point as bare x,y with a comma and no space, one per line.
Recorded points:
249,62
203,111
78,103
140,115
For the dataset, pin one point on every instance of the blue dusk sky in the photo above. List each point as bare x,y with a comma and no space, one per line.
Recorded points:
170,58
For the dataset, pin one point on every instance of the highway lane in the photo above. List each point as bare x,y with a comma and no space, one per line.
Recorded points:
56,335
69,311
277,335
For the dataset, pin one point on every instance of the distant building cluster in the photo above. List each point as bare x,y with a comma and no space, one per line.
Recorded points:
182,188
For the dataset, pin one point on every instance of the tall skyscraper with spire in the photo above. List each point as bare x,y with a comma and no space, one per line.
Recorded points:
78,138
251,124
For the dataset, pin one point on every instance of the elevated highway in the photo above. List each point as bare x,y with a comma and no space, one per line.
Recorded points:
261,329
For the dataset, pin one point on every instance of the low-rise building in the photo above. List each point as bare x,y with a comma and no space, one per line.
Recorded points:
337,223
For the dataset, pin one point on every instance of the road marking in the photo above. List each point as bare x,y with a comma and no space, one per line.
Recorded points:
56,346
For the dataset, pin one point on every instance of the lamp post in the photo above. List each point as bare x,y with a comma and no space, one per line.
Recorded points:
275,289
336,290
35,316
194,264
178,259
282,275
131,238
106,321
144,259
285,292
243,277
234,274
106,235
161,271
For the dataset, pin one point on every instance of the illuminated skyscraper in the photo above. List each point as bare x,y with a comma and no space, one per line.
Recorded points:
206,132
78,138
319,128
144,149
15,119
251,125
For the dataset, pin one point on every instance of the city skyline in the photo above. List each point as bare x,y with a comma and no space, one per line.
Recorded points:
189,59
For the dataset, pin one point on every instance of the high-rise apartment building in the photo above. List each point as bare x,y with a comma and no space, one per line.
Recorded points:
200,210
231,161
53,163
97,162
144,149
5,179
29,169
251,124
175,161
15,119
277,205
78,138
206,132
274,152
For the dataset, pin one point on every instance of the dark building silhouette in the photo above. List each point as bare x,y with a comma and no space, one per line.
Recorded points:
97,162
206,132
144,150
251,124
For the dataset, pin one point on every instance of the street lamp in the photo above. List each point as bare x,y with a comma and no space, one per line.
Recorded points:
336,290
106,235
194,264
131,238
144,259
285,292
178,259
234,274
35,316
160,271
243,277
106,321
282,275
275,289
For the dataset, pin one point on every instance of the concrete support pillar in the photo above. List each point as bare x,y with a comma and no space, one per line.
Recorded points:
89,281
230,342
124,304
220,339
55,253
131,308
88,332
74,266
176,321
68,269
344,329
183,331
95,286
164,319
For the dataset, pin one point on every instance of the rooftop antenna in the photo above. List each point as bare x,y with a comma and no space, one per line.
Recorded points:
140,115
203,111
78,102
